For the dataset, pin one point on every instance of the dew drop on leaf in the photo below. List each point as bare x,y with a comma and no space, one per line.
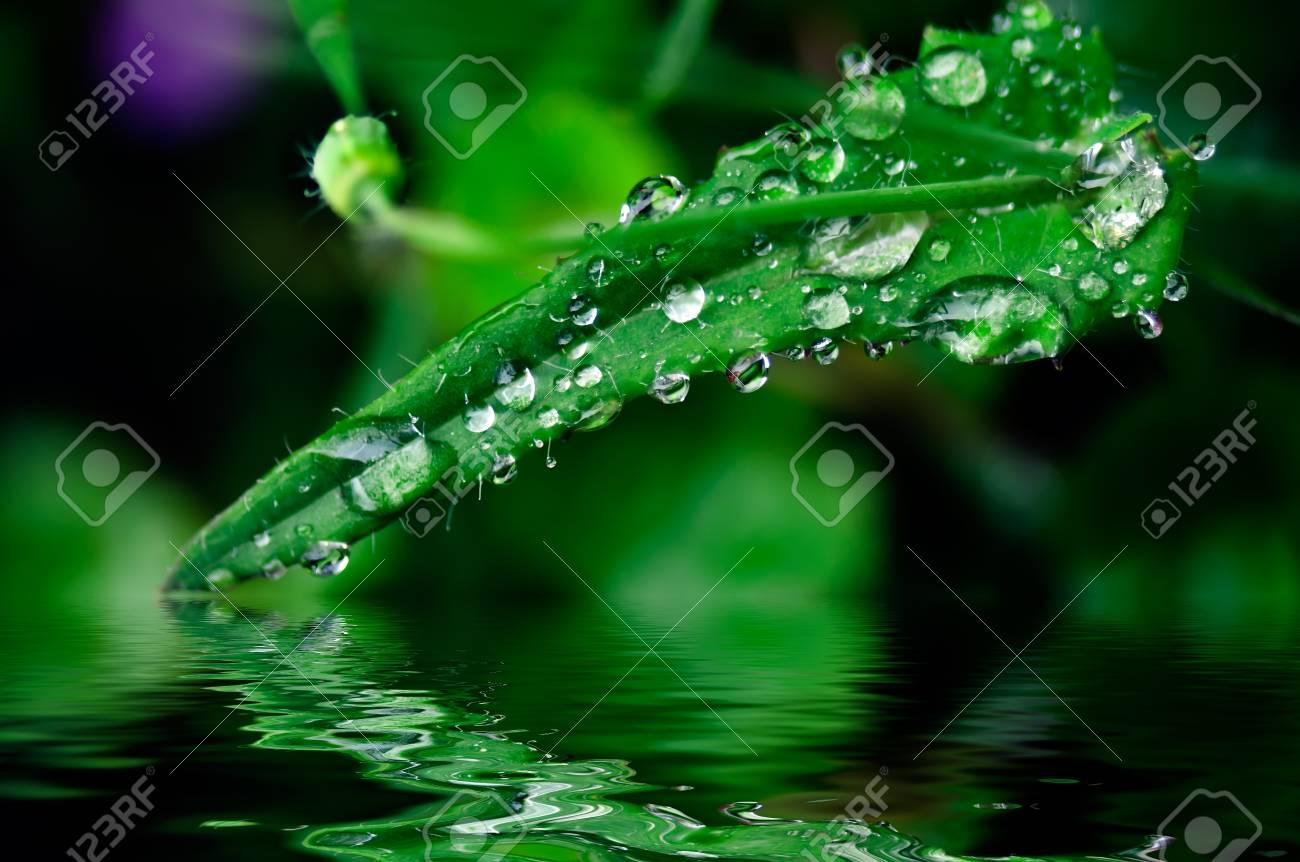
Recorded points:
1175,287
878,110
480,419
1092,287
652,199
953,77
683,300
326,559
825,351
670,388
587,376
826,309
823,160
749,373
1148,323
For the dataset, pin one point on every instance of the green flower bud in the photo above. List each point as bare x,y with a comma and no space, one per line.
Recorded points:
355,160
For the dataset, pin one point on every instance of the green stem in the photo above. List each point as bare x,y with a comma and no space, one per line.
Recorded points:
449,235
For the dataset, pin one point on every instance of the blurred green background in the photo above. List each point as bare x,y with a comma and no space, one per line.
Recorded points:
1016,484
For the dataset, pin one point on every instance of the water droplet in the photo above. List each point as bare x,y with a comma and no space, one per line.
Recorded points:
652,199
670,388
480,419
1035,15
262,539
593,229
822,161
761,245
825,351
726,196
504,470
939,250
878,247
683,300
1202,148
1139,279
548,418
597,414
854,61
596,270
887,293
587,376
662,251
953,77
826,309
878,350
583,310
775,185
1175,287
749,373
1054,270
274,570
1119,267
1071,31
1129,204
1148,323
995,320
515,389
1092,287
1070,244
1022,47
326,559
1119,309
877,111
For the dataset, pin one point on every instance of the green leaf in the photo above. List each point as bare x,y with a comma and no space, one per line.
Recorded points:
988,199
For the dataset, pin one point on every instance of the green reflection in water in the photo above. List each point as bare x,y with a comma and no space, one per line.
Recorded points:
492,792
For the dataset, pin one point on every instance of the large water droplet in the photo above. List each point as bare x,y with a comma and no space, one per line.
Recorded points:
515,388
826,309
749,373
877,247
775,185
587,376
1092,287
953,77
670,388
825,351
683,300
1175,287
504,470
652,199
583,310
823,160
480,419
987,319
877,110
939,250
326,559
1148,323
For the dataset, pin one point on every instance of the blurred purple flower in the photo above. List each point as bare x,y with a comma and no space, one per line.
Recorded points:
210,57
